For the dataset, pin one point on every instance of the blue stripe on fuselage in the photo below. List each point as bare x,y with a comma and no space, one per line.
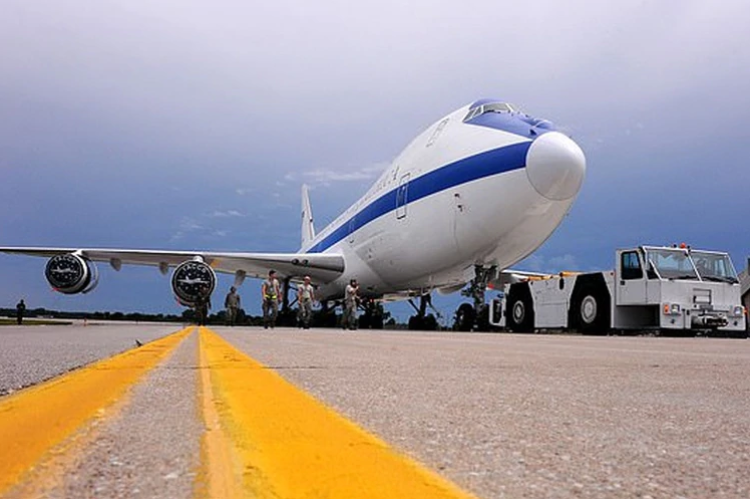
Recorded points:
482,165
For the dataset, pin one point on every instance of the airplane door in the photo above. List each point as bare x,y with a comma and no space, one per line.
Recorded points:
402,196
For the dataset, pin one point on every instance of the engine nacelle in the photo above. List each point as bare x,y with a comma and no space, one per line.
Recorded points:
192,281
71,274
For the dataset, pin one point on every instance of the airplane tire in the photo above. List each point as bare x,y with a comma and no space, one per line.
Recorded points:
464,317
376,322
591,309
520,311
483,320
426,323
415,323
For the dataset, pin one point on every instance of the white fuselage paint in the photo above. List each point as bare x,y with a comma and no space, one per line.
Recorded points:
436,241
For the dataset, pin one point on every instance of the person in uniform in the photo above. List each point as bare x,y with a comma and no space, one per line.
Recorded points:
305,298
271,295
20,310
232,306
351,300
202,305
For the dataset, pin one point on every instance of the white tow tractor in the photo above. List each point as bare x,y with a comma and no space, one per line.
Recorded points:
651,288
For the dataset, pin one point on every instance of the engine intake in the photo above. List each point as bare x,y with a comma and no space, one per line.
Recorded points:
71,274
192,281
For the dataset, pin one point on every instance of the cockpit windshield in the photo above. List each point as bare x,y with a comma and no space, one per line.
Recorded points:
671,263
491,107
714,266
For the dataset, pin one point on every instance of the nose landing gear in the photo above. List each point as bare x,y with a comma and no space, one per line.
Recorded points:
475,316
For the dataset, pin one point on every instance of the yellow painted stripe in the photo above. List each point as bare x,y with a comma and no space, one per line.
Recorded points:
285,444
219,478
35,420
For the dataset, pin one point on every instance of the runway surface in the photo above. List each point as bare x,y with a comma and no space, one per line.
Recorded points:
246,412
29,354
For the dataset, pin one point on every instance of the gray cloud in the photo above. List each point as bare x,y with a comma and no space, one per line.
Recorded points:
327,177
225,214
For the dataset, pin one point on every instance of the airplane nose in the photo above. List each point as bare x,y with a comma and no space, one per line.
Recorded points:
555,166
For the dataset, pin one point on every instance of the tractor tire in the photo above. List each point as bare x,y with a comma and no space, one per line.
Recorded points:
520,309
591,310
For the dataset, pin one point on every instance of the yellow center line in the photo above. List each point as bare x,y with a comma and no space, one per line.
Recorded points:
285,444
219,478
35,420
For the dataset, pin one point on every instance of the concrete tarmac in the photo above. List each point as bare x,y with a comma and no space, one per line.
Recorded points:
499,415
539,416
31,354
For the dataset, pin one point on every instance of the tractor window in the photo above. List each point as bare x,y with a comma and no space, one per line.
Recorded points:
714,266
672,263
630,265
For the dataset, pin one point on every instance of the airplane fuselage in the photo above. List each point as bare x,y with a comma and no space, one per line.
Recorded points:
487,190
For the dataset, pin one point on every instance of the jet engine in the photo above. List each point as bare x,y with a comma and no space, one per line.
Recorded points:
71,273
191,281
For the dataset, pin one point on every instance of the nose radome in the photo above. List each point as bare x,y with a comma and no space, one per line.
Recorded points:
555,166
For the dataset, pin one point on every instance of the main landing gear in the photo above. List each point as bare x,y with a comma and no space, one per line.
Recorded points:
287,315
372,318
422,320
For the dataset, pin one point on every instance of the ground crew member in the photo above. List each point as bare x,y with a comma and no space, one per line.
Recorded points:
271,294
305,297
351,300
202,304
20,310
232,306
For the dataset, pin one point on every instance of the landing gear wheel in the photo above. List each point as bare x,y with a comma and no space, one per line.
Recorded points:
426,323
482,320
376,322
415,323
464,318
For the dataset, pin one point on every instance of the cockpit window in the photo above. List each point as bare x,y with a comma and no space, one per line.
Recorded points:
491,107
473,113
499,107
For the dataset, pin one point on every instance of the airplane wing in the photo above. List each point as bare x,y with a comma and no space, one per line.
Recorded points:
322,267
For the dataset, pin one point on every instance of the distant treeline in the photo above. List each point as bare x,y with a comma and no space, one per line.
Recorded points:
110,316
289,319
186,316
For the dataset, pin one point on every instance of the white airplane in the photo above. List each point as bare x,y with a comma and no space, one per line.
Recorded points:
476,192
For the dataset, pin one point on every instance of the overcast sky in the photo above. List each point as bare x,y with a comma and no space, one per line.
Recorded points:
192,125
